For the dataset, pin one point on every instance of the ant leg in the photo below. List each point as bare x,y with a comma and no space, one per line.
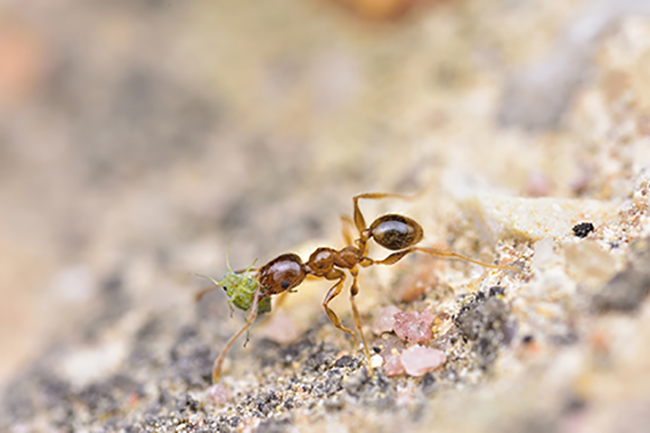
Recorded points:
244,271
395,257
347,235
280,300
276,306
452,255
354,290
359,221
204,291
331,294
216,370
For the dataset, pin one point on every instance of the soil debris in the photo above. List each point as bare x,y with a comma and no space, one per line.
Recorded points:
628,289
583,229
487,323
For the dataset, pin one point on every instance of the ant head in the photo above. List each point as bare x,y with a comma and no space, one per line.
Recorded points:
281,274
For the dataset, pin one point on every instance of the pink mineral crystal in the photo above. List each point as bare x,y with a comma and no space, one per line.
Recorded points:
393,365
414,327
218,394
385,320
418,360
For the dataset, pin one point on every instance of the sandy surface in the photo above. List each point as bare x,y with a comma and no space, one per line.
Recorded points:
141,141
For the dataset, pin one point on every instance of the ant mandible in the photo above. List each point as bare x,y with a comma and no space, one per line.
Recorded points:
287,271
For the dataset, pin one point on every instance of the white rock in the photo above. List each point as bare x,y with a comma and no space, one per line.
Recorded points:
502,217
376,361
545,255
589,264
89,364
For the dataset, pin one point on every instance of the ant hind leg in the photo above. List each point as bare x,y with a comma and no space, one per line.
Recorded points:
354,290
452,255
395,257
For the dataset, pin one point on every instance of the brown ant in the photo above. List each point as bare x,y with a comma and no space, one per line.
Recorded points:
287,271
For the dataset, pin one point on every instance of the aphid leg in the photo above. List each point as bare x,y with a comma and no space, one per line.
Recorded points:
395,257
331,294
354,290
216,370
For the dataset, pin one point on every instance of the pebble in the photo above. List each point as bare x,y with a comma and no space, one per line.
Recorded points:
385,320
218,394
376,361
582,230
625,292
418,360
588,263
393,365
545,256
414,327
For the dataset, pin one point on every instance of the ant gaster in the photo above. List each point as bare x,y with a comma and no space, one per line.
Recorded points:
287,271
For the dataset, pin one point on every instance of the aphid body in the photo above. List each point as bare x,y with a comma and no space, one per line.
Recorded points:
240,287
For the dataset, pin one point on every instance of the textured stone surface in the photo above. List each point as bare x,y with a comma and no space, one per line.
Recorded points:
143,142
533,219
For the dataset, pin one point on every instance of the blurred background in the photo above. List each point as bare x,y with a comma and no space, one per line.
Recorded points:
140,139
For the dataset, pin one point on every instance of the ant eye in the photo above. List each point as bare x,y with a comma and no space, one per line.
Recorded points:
285,284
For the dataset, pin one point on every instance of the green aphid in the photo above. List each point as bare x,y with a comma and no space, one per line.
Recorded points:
240,288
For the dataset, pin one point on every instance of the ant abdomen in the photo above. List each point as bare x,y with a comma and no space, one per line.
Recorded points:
396,232
281,274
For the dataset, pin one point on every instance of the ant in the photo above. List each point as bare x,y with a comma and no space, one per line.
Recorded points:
287,271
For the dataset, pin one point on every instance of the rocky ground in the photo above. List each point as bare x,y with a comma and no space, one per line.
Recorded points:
143,142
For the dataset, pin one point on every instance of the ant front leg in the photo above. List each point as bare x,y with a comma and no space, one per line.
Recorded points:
204,291
331,294
279,302
216,370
